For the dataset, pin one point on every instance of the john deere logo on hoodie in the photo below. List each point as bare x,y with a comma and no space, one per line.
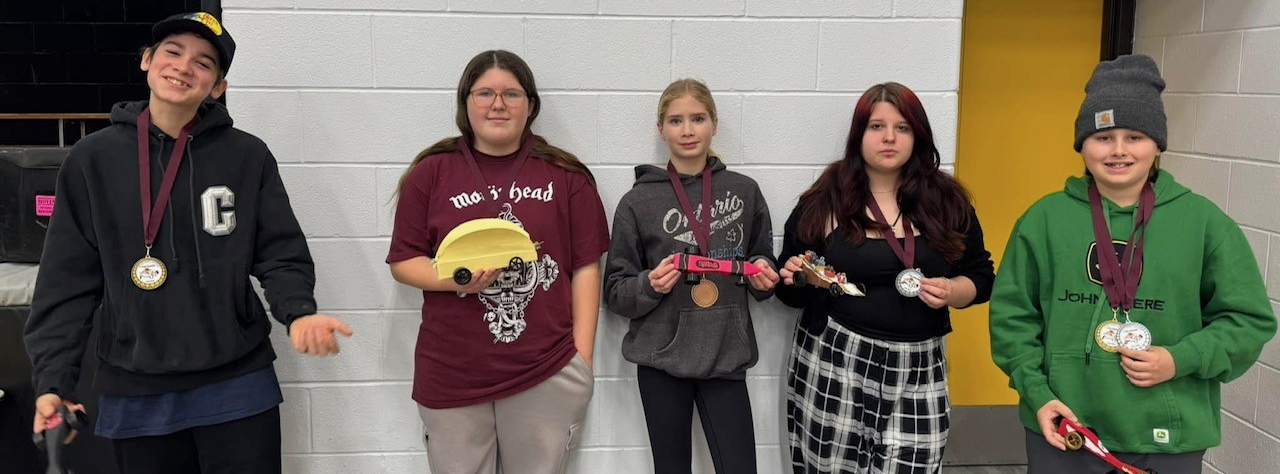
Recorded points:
1094,272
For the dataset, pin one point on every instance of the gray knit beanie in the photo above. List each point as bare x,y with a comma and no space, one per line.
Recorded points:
1124,93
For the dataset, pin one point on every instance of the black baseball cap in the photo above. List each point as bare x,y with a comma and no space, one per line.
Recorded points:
203,24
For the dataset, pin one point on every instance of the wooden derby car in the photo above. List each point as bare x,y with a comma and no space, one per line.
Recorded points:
483,243
816,272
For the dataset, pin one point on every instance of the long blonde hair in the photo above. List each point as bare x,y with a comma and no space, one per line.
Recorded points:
511,63
692,88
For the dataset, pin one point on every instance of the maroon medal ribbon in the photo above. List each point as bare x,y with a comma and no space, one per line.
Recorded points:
907,255
151,216
1120,275
523,155
701,229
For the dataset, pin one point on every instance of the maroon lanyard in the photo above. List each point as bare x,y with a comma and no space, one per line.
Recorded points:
523,155
701,229
908,255
1120,275
151,216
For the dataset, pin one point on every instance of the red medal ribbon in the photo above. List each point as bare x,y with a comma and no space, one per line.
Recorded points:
908,255
1120,275
523,155
701,229
151,216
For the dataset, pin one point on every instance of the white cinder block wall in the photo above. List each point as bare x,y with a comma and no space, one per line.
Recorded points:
1221,63
346,93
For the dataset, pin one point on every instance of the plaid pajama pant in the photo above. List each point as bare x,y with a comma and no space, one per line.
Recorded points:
864,406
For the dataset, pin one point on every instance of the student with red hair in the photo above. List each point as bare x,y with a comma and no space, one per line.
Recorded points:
867,383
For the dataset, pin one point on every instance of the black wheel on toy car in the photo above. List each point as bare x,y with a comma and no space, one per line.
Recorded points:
516,264
835,290
1074,441
462,276
800,278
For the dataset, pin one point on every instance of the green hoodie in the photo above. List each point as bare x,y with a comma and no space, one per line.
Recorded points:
1201,295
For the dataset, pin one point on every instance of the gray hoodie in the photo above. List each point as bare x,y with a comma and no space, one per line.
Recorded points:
669,332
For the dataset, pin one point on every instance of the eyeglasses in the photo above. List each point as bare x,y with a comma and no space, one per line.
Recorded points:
510,97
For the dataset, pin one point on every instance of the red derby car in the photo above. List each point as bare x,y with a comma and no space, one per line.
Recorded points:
1077,436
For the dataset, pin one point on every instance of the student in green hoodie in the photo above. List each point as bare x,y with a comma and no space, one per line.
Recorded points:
1134,345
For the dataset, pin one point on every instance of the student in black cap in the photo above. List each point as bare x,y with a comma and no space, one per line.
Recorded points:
160,220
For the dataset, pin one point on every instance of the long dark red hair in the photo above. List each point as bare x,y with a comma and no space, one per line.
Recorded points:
934,201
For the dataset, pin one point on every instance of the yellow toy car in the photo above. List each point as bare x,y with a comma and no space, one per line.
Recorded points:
483,243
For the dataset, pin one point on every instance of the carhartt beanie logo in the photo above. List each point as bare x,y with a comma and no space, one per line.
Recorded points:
1124,93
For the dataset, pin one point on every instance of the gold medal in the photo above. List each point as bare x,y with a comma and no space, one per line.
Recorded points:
149,272
1108,335
705,293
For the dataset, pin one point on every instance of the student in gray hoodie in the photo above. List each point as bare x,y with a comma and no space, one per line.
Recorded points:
692,343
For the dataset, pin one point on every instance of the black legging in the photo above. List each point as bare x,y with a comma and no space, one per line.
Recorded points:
723,407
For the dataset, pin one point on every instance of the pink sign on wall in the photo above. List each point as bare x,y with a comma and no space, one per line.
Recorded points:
44,206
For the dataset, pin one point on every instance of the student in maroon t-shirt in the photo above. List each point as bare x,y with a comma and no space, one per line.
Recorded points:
503,363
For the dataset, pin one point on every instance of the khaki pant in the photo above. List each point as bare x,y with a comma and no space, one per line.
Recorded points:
531,432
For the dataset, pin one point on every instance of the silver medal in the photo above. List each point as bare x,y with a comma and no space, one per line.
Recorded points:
908,282
1135,336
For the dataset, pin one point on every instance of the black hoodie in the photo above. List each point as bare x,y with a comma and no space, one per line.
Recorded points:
206,323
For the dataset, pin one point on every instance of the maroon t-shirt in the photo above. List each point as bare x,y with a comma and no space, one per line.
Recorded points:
519,331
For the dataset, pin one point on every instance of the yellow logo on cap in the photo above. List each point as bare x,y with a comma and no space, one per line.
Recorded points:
208,20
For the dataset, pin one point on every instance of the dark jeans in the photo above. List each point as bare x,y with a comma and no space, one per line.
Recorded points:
723,407
1045,459
245,446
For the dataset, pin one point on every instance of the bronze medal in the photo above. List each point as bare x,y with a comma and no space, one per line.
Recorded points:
705,293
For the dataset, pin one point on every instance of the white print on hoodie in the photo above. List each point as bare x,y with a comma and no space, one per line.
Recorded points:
726,215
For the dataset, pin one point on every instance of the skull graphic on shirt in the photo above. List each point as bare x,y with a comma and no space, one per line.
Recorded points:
509,295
